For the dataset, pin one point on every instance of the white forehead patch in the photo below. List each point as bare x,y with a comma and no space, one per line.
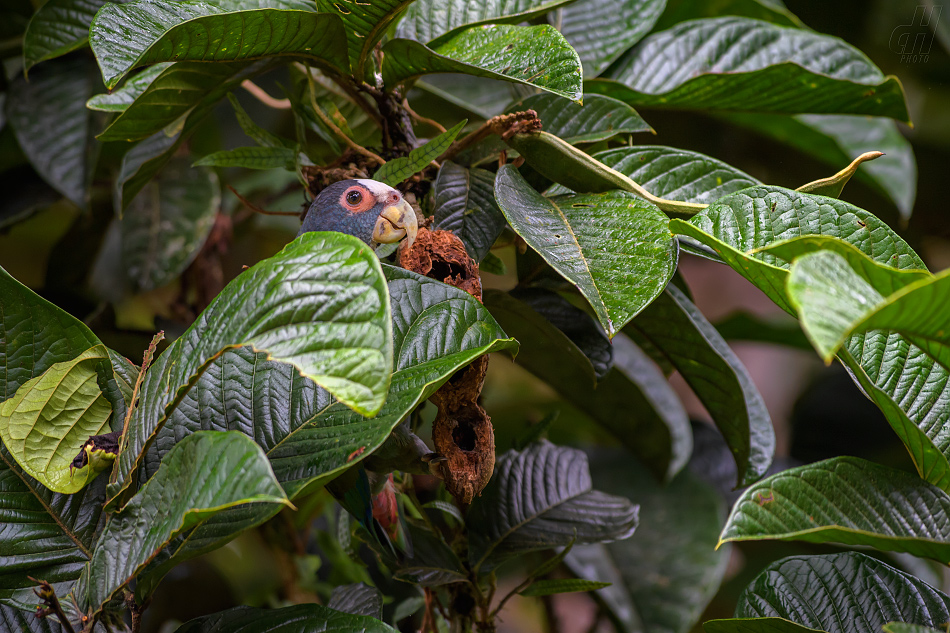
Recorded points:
378,189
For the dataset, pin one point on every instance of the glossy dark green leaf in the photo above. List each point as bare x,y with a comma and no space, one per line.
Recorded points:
12,619
364,23
357,599
837,139
404,167
846,500
633,401
167,223
465,204
432,21
842,593
45,424
205,473
755,625
42,534
598,119
125,36
58,27
300,618
767,10
121,98
602,30
432,564
251,158
48,116
754,66
679,331
909,386
616,248
667,572
903,627
332,324
561,585
532,55
540,498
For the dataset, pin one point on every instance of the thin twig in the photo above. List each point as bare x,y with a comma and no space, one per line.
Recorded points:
521,587
146,361
256,209
263,97
422,119
330,124
47,594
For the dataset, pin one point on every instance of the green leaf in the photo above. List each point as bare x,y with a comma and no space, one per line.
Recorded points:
834,303
261,136
364,23
679,331
773,11
667,572
614,247
331,323
633,401
144,32
48,116
841,593
252,158
58,27
357,599
465,204
34,335
45,424
755,625
121,98
734,63
531,55
602,30
205,473
903,627
299,617
837,139
846,500
43,534
435,21
599,119
676,174
404,167
25,621
167,223
540,498
561,585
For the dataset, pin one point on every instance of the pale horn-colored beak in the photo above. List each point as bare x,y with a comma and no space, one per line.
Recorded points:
396,222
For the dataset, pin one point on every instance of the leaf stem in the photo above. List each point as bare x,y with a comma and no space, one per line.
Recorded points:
359,149
422,119
146,361
263,97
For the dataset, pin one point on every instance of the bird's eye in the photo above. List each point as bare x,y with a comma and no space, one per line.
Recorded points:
354,198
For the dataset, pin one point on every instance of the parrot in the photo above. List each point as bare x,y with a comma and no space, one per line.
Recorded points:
370,210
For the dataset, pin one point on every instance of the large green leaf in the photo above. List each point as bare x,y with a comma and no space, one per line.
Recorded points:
740,64
205,473
465,204
756,625
834,302
633,401
58,27
434,21
768,10
540,498
49,118
19,620
306,434
399,169
365,23
837,139
908,385
45,424
846,500
598,119
125,36
681,334
43,534
667,572
532,55
357,599
602,30
616,248
167,223
842,593
34,335
251,158
300,618
320,305
121,98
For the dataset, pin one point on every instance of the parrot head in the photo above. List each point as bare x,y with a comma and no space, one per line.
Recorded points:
368,209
